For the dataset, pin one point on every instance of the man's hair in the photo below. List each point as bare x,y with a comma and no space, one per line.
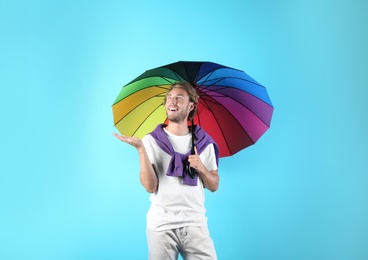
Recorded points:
192,92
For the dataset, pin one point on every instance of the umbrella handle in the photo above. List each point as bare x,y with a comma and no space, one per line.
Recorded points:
191,171
193,136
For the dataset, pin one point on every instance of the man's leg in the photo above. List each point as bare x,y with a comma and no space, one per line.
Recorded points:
162,245
197,244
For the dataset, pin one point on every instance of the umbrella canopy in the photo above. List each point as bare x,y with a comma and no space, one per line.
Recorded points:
233,108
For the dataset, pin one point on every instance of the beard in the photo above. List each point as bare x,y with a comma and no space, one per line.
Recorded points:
178,117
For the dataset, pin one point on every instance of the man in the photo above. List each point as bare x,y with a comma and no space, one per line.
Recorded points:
176,221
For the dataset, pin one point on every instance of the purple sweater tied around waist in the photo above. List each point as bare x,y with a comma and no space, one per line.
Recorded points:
176,166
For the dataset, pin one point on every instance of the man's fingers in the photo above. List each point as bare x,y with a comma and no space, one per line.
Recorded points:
116,135
120,137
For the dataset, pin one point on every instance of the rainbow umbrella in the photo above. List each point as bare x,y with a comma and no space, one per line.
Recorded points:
233,108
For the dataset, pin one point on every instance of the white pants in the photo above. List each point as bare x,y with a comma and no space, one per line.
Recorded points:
191,242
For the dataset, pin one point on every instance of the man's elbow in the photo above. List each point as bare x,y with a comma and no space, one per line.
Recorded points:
214,184
150,187
214,187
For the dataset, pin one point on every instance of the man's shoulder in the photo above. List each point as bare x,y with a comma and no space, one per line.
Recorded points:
149,141
148,138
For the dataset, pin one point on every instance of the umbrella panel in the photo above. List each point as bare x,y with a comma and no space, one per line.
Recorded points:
125,106
258,107
245,117
244,85
142,119
219,123
145,83
140,112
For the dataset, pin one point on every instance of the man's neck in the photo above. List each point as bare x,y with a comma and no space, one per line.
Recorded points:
178,129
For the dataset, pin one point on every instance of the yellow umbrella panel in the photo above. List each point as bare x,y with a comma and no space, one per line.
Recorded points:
138,113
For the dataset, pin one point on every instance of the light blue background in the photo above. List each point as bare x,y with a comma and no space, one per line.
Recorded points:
69,190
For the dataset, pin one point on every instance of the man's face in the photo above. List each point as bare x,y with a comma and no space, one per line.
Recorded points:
178,105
